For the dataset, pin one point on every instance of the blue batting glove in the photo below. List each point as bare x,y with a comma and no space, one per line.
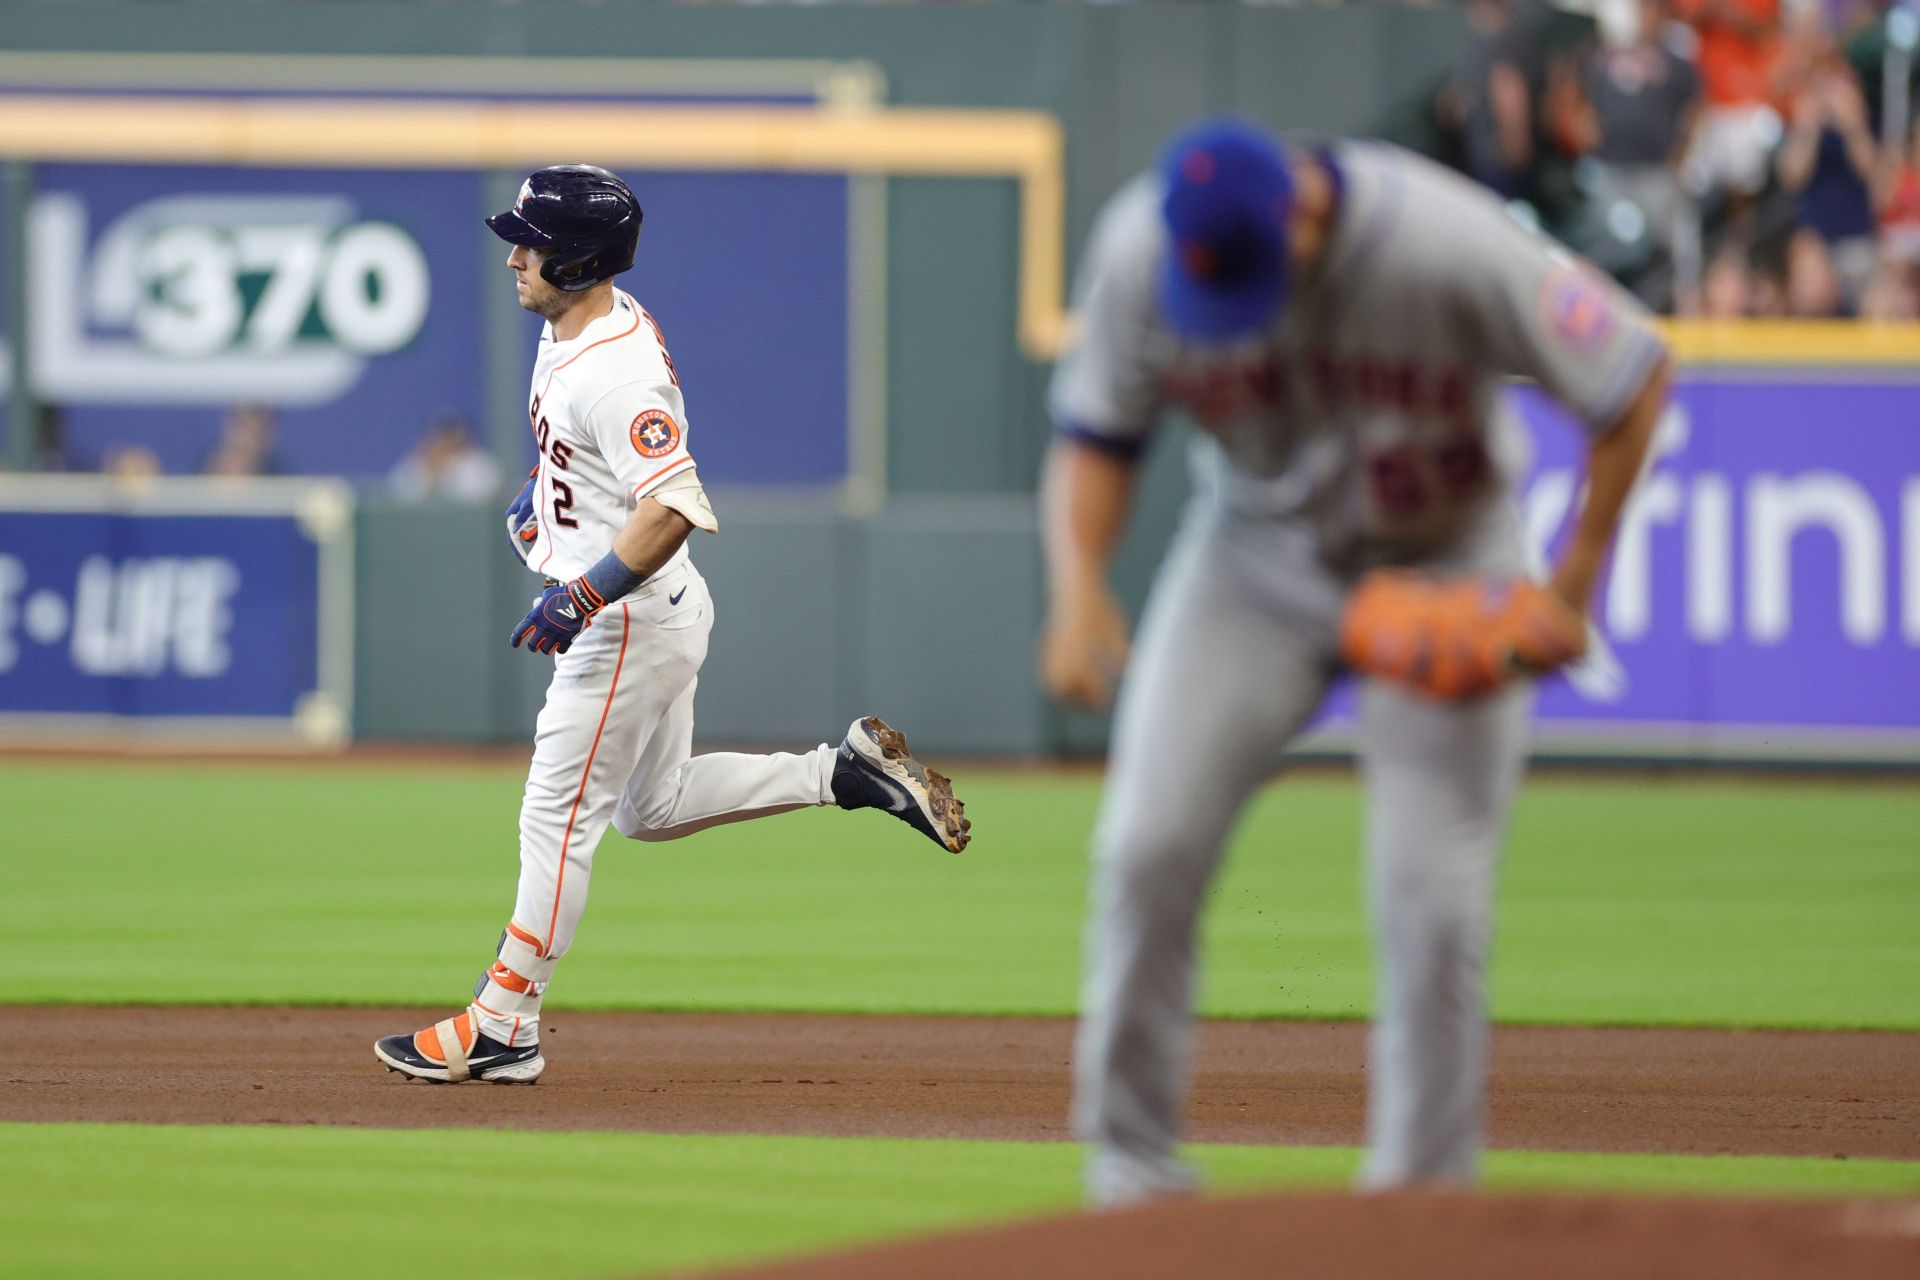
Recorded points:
558,615
523,526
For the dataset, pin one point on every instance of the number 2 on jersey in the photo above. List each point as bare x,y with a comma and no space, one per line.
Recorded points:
563,503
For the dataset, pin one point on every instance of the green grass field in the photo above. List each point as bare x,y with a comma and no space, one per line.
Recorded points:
84,1200
1642,902
1624,901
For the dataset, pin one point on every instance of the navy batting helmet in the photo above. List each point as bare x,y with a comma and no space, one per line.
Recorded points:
583,216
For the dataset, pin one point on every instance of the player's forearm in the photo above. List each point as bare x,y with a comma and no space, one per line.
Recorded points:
1085,499
650,537
1613,464
648,540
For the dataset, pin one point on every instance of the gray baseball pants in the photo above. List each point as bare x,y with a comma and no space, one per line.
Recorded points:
1234,656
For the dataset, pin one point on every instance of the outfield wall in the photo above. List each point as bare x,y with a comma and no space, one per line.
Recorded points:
1763,602
924,613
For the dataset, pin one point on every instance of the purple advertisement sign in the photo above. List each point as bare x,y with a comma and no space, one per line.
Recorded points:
162,297
104,612
356,304
1764,593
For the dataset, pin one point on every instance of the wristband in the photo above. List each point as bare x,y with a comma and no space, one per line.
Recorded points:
606,582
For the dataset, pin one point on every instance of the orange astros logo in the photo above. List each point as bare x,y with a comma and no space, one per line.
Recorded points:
654,434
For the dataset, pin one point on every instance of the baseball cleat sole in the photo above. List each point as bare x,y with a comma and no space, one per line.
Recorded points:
921,797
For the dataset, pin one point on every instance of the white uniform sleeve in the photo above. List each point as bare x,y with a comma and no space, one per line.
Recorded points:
1106,387
1544,314
641,430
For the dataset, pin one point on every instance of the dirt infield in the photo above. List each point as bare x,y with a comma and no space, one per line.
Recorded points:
1837,1094
1841,1094
1332,1237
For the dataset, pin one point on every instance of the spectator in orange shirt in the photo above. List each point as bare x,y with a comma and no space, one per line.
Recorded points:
1739,53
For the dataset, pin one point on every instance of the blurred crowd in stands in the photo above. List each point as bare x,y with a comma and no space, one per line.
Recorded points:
1721,158
446,461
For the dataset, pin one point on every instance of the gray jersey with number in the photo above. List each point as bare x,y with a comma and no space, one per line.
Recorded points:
1371,410
1366,426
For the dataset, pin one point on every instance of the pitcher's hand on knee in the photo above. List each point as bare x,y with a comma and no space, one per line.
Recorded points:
1083,649
1456,638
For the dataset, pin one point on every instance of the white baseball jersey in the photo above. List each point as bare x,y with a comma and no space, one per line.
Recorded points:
611,426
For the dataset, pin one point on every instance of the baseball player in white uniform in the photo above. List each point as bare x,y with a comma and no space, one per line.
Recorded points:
604,519
1338,323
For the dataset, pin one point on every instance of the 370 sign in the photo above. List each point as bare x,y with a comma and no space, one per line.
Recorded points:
206,298
204,289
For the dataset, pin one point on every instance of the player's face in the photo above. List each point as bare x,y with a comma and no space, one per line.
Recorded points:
535,294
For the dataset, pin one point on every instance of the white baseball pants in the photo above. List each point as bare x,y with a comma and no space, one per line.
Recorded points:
613,744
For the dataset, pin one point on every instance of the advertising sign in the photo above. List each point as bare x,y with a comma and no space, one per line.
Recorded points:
1766,579
1763,597
189,606
356,305
160,298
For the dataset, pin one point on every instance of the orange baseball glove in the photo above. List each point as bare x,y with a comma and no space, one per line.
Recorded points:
1456,638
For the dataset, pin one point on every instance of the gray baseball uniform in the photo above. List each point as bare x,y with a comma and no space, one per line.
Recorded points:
1366,427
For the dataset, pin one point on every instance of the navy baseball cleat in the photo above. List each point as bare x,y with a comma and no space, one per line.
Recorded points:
454,1050
875,771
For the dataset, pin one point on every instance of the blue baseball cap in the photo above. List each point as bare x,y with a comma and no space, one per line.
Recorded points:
1228,194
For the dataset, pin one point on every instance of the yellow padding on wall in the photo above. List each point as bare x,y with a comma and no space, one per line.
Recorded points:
1793,342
